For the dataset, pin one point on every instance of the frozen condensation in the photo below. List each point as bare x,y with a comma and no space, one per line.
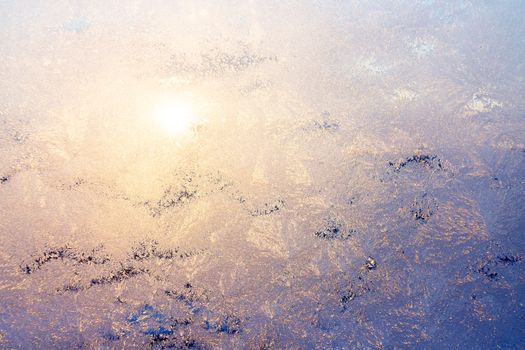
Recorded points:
262,174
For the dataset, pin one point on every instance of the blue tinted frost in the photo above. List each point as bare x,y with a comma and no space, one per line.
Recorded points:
262,174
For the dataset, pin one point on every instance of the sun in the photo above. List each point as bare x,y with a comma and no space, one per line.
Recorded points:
174,116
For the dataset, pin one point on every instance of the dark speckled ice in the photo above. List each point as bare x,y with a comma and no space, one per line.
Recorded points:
262,174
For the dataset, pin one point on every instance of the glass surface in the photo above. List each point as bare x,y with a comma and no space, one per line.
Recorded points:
262,174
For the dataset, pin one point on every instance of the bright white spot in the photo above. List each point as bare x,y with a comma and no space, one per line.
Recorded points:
174,116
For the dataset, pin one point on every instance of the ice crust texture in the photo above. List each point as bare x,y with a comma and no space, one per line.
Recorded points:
355,178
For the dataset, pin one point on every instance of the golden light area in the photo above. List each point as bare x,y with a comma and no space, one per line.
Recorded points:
174,116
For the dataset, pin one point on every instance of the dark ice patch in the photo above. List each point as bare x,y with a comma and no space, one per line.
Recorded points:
324,123
491,267
327,124
172,198
124,273
119,271
146,250
76,183
65,253
161,329
144,313
505,259
81,183
192,297
172,341
423,207
110,335
334,229
4,179
354,289
371,263
268,208
425,160
186,188
228,324
149,315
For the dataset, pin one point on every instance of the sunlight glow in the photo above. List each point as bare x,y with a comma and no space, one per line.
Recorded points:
175,116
